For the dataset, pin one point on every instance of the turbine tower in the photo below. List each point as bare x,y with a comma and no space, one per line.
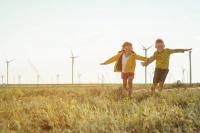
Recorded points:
2,78
145,53
79,77
7,69
101,78
19,79
73,58
35,70
58,78
190,65
183,75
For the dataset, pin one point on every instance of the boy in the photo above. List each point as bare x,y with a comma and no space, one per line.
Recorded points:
162,56
125,62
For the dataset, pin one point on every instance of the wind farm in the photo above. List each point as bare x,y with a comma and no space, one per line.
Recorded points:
102,66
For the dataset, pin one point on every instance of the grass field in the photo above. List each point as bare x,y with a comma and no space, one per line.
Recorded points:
98,109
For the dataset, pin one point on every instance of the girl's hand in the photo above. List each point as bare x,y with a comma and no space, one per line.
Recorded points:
143,64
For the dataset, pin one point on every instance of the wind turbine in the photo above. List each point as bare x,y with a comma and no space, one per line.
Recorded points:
151,75
19,79
101,78
79,77
187,77
58,78
73,58
183,75
190,65
145,53
35,71
2,78
7,67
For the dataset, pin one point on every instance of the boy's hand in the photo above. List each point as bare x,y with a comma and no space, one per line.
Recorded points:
190,49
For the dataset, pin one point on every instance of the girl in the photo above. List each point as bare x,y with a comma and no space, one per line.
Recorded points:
125,62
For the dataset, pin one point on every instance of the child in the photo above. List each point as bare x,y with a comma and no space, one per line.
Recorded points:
162,56
125,62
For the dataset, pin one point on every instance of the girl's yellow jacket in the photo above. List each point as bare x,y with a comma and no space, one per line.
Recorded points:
131,63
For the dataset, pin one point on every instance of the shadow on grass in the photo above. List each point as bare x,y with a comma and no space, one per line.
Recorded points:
137,96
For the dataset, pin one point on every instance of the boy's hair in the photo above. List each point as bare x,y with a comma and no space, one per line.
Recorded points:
159,41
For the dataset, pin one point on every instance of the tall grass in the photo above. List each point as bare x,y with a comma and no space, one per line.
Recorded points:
98,110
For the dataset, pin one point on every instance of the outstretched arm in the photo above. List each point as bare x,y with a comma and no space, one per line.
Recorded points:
111,60
142,58
172,51
149,61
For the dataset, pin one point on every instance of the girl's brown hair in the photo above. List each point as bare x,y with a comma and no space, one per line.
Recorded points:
126,44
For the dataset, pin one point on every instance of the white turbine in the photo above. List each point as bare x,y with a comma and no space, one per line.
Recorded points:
7,69
35,70
79,77
58,78
190,65
73,58
2,78
183,75
145,53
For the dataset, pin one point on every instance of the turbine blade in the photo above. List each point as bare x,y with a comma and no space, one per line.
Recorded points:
144,48
76,56
11,60
72,53
33,67
5,58
150,47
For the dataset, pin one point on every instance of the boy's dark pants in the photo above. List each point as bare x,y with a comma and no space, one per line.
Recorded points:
159,78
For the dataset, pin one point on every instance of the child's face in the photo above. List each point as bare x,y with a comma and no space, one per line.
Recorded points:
160,47
127,49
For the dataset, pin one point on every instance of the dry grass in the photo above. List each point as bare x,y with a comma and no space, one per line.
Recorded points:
98,110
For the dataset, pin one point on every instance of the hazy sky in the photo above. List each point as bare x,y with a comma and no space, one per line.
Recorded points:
44,32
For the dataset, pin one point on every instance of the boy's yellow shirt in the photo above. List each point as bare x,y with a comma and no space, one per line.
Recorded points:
162,58
131,63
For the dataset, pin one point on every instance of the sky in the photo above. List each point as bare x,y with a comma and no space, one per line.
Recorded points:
40,35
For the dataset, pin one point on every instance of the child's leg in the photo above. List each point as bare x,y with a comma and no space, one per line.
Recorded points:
163,76
155,81
124,77
153,87
161,86
130,89
130,83
124,83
